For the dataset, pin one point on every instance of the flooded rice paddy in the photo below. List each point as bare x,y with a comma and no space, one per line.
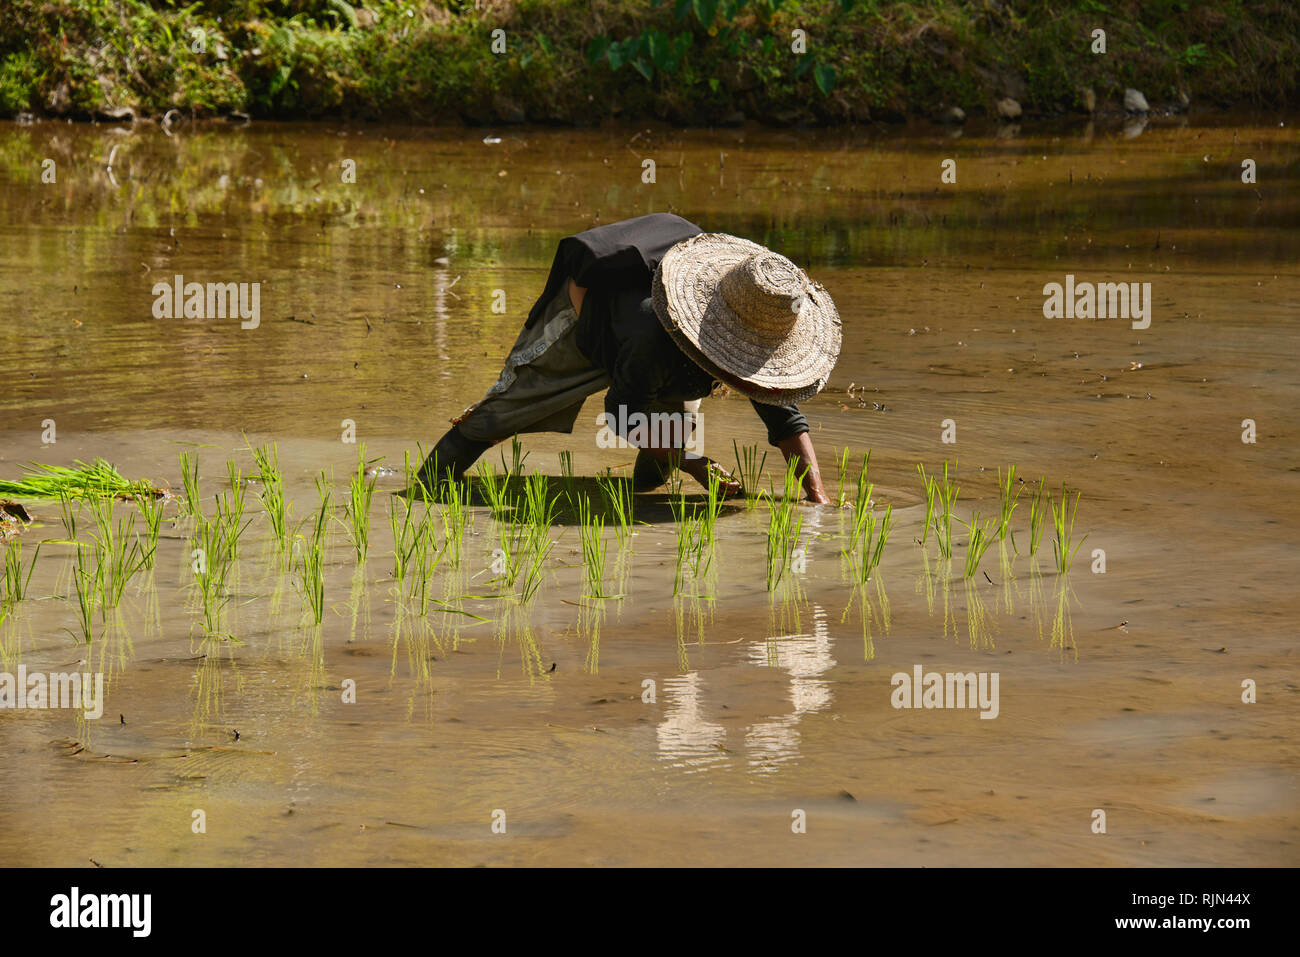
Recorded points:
646,727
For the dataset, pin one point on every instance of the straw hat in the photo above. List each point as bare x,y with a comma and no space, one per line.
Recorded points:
739,309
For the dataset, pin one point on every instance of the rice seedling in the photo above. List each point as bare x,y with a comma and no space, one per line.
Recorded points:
566,475
211,565
455,516
311,566
1063,525
535,571
712,507
151,508
230,510
1008,491
946,492
118,554
931,487
981,537
361,489
593,547
843,464
85,581
190,504
517,458
749,468
272,496
693,542
783,526
70,513
618,493
425,560
13,584
862,504
868,545
405,534
494,487
1038,507
539,510
95,480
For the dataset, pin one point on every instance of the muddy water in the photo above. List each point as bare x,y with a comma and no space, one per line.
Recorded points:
1119,691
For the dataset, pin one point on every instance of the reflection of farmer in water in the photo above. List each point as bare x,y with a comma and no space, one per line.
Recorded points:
660,314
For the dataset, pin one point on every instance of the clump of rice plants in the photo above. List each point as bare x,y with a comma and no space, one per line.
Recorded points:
694,542
230,509
13,583
361,489
981,536
1008,491
85,582
151,508
842,463
517,458
862,501
96,480
946,492
783,526
311,565
1063,516
868,543
1039,503
591,527
749,469
495,487
931,486
190,504
70,512
118,553
566,475
535,572
455,516
512,538
272,496
618,495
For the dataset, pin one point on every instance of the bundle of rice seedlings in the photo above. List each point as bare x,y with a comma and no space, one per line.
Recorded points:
97,480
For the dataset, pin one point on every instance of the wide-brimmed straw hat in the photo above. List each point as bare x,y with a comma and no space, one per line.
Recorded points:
738,308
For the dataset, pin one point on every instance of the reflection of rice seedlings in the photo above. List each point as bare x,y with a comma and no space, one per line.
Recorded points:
151,507
517,457
946,492
593,547
783,527
1008,492
978,630
13,585
618,494
868,545
361,489
931,486
190,504
843,463
1063,524
749,468
926,582
272,496
70,511
1063,620
981,537
1038,506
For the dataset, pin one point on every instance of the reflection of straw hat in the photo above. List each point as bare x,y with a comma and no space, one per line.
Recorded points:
738,308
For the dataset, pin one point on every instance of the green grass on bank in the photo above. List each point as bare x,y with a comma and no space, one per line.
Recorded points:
688,61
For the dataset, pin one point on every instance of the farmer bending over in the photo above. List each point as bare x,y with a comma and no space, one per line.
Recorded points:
660,314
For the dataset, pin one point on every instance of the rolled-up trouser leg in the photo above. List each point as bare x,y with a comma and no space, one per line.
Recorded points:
541,389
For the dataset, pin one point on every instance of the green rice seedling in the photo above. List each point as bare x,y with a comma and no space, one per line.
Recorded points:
311,566
70,512
190,504
931,486
868,546
694,542
95,480
566,475
272,496
13,584
783,527
455,516
618,494
712,508
151,508
539,509
946,492
118,553
535,572
85,582
862,504
843,465
230,510
425,560
1008,491
1063,524
404,531
591,528
361,489
517,458
1039,503
494,487
749,469
981,537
